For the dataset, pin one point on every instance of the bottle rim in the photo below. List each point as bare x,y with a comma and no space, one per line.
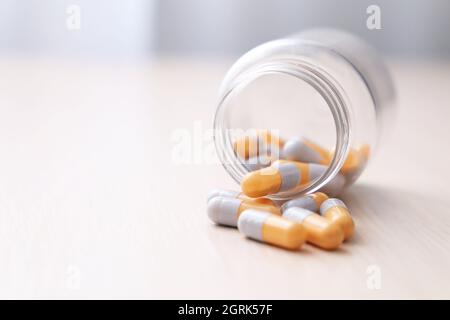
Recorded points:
323,82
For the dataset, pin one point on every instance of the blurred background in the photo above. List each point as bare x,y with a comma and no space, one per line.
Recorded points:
137,28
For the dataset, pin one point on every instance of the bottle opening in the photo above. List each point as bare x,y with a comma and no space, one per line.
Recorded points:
279,113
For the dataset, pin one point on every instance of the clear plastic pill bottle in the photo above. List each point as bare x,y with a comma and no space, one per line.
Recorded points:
323,86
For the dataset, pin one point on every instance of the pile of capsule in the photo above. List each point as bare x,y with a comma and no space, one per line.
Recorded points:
314,218
278,166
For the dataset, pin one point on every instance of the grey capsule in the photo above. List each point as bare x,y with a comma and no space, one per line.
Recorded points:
297,150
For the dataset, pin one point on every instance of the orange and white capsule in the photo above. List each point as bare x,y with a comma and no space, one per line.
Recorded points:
335,211
319,231
334,186
364,151
364,154
352,163
226,211
258,162
239,195
257,143
268,228
304,150
309,202
284,176
356,159
279,177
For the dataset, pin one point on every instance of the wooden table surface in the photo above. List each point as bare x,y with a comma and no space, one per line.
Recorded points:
92,204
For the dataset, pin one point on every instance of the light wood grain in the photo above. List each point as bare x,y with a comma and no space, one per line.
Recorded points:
91,205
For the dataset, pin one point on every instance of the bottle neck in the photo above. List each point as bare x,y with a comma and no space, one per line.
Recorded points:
329,89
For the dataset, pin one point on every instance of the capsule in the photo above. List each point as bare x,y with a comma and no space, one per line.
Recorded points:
304,150
319,231
271,139
257,143
246,146
335,211
356,158
281,176
334,186
239,195
364,151
364,154
257,162
226,211
286,175
310,202
352,163
268,228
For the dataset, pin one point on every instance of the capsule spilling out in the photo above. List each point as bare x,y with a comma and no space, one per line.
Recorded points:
268,228
304,150
310,202
226,210
286,175
281,176
335,211
319,231
239,195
